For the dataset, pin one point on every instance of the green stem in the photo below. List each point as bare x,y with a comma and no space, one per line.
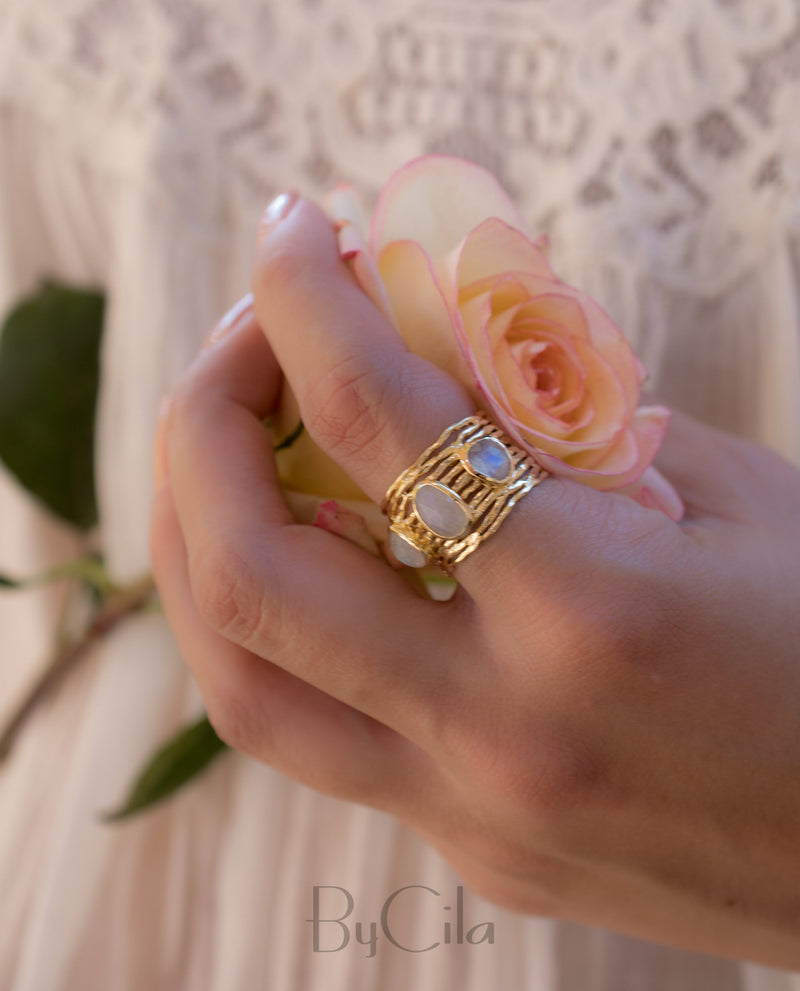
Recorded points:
118,607
88,569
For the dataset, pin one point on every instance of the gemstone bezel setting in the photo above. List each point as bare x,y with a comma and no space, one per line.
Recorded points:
406,550
488,458
432,504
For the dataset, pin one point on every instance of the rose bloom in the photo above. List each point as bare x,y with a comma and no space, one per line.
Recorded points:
447,261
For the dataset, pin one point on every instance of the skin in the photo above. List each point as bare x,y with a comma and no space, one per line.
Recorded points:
602,725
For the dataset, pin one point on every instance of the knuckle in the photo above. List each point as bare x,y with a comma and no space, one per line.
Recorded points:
241,726
229,592
351,406
543,775
549,779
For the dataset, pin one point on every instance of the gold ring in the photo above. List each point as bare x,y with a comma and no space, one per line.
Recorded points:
457,493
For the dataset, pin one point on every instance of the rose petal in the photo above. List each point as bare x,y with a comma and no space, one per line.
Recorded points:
343,206
551,365
593,323
336,518
494,248
653,491
603,384
437,200
428,327
479,344
356,255
609,341
305,509
557,311
619,468
534,406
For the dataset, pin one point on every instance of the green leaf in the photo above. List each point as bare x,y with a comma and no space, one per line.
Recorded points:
49,375
6,582
175,764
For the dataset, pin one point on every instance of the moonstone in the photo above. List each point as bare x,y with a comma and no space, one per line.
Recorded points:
490,458
442,512
406,552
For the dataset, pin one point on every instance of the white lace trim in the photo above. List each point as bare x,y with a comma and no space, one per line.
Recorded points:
610,120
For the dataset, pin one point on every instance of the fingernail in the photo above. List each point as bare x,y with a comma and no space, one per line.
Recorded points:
278,210
237,315
160,459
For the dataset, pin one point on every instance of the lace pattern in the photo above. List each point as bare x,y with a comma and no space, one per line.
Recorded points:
656,141
610,120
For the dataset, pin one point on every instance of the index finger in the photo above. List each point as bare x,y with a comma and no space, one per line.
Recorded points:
305,599
375,406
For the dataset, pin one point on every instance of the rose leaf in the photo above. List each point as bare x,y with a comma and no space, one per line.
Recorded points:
171,767
49,374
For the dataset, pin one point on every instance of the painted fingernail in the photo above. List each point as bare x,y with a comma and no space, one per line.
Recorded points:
160,459
237,315
278,210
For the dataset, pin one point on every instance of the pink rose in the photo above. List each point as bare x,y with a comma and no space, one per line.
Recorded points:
449,263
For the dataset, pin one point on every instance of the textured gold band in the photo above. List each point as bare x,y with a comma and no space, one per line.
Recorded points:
457,493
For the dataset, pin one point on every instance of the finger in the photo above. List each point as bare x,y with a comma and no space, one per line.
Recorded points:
314,604
362,395
365,399
269,714
723,478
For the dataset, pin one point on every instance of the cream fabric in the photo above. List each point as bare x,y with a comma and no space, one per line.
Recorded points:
655,141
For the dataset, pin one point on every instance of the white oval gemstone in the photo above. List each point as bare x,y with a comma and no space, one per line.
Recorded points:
441,511
490,458
406,552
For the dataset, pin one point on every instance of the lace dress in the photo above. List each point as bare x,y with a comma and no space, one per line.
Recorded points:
657,142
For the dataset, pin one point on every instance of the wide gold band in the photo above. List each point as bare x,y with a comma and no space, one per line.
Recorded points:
457,493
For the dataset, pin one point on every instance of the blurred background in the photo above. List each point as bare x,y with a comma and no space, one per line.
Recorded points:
656,142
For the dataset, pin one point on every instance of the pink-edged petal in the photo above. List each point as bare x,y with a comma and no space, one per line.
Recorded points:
437,200
653,491
429,327
604,385
368,277
506,291
336,518
624,462
611,343
343,205
356,255
648,427
494,248
534,406
305,508
496,386
559,311
553,370
583,317
479,335
494,252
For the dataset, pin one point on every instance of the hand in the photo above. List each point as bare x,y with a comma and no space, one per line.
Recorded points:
603,724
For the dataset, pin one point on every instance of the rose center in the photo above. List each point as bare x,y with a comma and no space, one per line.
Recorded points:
539,363
548,379
551,372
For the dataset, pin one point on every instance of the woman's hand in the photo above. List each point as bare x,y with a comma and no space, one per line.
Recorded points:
603,724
